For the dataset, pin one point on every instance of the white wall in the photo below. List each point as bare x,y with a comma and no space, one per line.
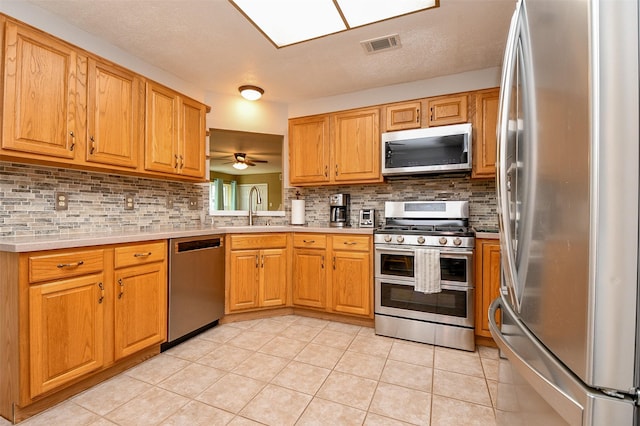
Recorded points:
54,25
472,80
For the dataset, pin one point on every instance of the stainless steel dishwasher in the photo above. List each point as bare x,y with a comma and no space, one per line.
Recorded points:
196,286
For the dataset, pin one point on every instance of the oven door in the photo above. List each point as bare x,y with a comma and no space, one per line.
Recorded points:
454,305
397,264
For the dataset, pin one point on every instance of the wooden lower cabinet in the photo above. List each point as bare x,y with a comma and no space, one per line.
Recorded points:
66,322
72,315
487,277
257,271
333,273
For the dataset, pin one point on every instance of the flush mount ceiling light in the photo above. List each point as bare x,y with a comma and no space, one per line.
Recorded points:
251,93
287,22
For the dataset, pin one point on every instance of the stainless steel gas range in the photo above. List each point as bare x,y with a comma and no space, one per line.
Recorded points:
444,317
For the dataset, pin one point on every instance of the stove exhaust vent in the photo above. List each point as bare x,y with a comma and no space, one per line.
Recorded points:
379,44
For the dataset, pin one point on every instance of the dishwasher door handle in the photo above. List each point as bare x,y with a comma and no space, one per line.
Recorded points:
210,243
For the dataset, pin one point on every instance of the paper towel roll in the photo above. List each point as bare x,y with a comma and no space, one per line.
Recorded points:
297,212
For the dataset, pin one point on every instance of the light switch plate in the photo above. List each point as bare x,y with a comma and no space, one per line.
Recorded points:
193,203
129,202
61,201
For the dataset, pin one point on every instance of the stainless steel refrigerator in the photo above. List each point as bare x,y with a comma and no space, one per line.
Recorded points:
568,181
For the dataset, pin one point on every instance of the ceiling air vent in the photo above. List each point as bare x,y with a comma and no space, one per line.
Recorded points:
381,43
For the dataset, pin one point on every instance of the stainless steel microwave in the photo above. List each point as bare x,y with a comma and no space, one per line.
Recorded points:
441,149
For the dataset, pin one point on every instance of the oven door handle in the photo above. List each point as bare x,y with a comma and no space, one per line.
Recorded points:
443,286
443,251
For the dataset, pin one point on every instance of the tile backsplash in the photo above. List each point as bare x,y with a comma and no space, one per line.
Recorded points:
96,201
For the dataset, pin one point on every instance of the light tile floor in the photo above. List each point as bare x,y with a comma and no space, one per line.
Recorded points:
292,370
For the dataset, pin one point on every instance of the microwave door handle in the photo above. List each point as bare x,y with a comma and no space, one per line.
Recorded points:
502,186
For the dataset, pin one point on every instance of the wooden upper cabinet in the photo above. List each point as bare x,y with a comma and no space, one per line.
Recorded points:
447,110
485,140
161,129
174,133
115,115
403,116
41,91
356,146
192,140
309,150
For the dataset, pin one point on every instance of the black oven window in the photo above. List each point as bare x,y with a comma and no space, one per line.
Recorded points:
453,269
447,302
397,265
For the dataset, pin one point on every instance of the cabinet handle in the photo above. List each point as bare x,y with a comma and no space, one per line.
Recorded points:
309,241
349,243
334,263
322,264
326,171
417,115
71,265
73,140
181,162
336,170
93,145
257,264
176,166
263,261
121,288
101,292
431,117
142,254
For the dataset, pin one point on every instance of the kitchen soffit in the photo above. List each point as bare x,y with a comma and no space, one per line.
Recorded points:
287,22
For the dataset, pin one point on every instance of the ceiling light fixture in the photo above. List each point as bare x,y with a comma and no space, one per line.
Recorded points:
251,93
240,166
287,22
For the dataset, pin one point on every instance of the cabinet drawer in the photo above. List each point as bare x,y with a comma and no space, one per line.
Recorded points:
140,254
309,241
54,266
257,241
351,242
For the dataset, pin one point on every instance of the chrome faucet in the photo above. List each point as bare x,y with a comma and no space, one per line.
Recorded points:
258,201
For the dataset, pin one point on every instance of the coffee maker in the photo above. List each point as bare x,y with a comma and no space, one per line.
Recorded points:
339,210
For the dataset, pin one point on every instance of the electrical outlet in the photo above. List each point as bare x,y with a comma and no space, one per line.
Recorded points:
129,202
193,203
61,201
169,204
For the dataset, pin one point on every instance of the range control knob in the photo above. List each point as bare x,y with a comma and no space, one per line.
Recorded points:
400,238
457,241
420,240
442,241
387,238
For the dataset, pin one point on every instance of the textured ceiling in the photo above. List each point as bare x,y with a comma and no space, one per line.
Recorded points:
211,45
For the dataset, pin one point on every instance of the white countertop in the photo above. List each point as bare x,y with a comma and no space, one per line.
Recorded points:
71,240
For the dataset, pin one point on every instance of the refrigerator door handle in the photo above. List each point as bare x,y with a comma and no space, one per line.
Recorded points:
503,186
563,403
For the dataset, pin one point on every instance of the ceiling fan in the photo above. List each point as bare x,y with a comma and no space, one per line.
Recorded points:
241,161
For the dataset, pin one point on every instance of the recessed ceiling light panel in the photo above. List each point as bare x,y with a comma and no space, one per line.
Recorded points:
287,22
362,12
292,21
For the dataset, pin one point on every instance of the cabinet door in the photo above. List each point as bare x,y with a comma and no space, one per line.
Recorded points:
403,116
447,110
114,114
161,129
351,282
485,142
40,93
487,282
309,278
140,308
356,141
66,321
309,150
244,279
273,277
192,138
